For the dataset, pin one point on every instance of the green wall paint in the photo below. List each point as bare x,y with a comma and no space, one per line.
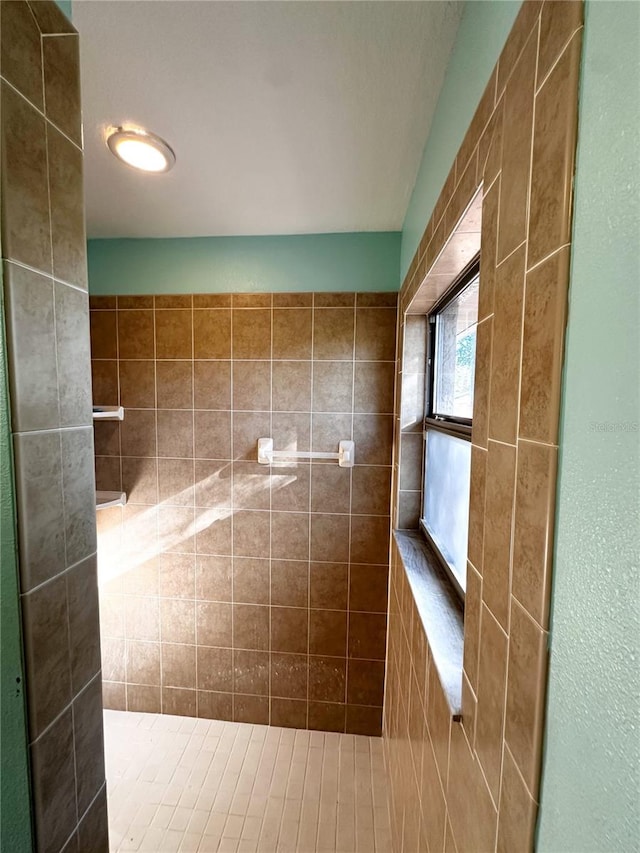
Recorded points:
350,262
483,30
15,820
591,770
65,5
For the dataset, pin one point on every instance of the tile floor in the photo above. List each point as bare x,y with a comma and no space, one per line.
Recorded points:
178,784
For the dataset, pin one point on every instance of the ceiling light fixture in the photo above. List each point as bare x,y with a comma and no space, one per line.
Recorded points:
140,149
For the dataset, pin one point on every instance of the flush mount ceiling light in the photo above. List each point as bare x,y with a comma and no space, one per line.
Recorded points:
140,149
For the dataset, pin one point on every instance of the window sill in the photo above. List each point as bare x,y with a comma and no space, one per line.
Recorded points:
440,611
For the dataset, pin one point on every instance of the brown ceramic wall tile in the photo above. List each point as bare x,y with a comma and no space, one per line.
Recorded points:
516,821
558,22
174,334
477,506
47,654
369,539
251,334
289,675
137,384
271,505
505,355
251,580
473,604
212,384
212,334
251,385
491,700
368,588
61,63
54,791
291,386
66,198
328,633
481,759
212,435
471,811
432,799
333,334
490,207
215,706
32,349
518,118
251,672
515,44
373,391
545,312
26,233
375,334
292,300
526,693
21,55
373,436
134,302
179,701
533,527
327,679
439,722
330,489
496,561
174,383
554,142
135,334
292,333
328,585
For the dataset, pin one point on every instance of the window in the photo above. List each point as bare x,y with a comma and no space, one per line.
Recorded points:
447,425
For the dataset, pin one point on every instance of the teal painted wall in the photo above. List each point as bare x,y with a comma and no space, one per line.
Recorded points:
65,5
483,30
591,770
351,262
15,810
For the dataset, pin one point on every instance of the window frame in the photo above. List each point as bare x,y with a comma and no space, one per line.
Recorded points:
456,427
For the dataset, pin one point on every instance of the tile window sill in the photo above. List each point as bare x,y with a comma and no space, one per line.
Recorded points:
440,611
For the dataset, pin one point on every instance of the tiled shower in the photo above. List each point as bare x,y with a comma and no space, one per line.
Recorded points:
230,589
233,592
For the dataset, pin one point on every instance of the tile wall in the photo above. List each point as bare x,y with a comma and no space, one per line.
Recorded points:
473,785
229,589
47,322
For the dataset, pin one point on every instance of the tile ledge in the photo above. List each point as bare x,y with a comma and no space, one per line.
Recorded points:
440,611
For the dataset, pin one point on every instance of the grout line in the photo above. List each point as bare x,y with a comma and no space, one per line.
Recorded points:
48,274
194,484
556,62
547,257
309,502
37,109
63,573
157,531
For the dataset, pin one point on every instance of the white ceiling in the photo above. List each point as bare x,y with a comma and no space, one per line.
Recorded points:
286,117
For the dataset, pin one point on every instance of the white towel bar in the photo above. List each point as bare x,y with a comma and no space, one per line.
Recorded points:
345,455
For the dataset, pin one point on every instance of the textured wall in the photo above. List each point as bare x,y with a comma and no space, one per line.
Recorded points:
47,320
473,784
230,589
591,774
304,262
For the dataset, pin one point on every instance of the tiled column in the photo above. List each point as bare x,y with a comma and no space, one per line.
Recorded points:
47,320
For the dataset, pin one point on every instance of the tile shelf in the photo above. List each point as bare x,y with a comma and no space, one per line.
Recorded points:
109,499
108,413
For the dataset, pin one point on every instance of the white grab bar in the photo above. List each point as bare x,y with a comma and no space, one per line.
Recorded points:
345,455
